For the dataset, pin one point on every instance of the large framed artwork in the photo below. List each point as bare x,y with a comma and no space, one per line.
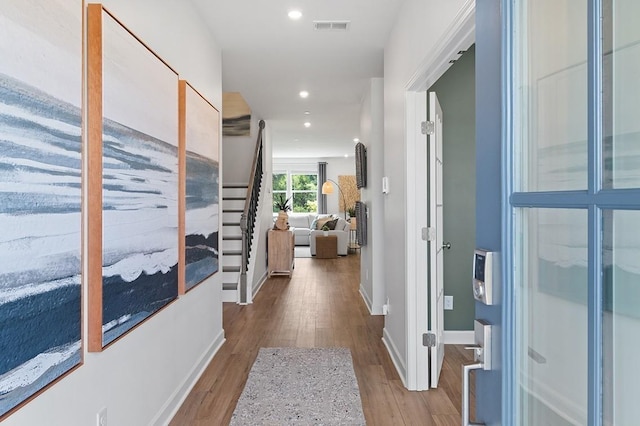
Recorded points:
199,143
40,196
133,180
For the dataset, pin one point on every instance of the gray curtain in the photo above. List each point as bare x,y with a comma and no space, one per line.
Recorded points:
322,178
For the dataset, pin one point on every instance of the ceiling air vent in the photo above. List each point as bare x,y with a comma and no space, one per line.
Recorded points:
331,25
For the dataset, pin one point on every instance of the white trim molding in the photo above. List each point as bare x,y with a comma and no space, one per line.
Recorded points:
173,404
395,357
417,301
460,35
366,299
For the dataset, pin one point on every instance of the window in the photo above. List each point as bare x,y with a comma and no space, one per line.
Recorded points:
279,186
304,192
300,187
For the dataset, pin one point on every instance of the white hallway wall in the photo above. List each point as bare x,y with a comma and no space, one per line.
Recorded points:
372,261
419,26
141,377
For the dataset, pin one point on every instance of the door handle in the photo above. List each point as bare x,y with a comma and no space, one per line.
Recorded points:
446,245
466,370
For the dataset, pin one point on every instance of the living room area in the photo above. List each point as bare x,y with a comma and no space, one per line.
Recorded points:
321,195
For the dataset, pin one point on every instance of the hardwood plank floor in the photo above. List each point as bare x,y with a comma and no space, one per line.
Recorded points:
320,306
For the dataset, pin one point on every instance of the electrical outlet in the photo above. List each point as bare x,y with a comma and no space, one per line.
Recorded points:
101,417
448,303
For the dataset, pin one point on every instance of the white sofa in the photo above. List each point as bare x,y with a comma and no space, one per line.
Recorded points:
301,224
341,231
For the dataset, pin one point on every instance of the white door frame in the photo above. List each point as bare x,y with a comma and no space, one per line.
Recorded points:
459,36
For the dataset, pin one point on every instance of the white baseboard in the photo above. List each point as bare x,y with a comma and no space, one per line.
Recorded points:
230,296
395,356
455,337
373,310
260,283
171,407
366,299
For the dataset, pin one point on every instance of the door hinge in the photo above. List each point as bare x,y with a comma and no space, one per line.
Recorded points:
429,340
427,127
431,234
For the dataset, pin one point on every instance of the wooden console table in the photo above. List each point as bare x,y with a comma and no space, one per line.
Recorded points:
280,252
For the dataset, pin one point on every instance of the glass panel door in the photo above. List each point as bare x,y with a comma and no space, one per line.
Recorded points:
553,322
621,68
621,317
552,92
575,243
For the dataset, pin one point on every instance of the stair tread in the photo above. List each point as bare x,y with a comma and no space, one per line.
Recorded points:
231,269
235,185
231,252
233,198
231,237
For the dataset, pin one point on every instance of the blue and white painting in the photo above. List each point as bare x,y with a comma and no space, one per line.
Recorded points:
202,198
40,195
139,182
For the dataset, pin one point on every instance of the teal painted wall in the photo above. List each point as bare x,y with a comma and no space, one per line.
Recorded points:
456,93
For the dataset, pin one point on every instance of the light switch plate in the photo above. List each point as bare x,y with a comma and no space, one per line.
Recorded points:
448,303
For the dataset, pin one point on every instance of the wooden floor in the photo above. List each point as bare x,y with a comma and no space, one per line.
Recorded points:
320,306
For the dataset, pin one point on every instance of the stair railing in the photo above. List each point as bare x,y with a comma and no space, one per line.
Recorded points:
248,217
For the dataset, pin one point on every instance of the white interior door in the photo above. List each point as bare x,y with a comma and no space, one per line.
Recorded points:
436,245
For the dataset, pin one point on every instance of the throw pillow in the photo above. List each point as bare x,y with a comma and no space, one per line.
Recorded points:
331,224
321,222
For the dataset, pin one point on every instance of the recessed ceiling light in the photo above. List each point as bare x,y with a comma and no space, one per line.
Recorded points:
346,156
307,124
307,112
356,140
304,94
295,15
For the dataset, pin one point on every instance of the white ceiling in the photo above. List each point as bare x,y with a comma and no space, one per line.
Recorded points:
269,59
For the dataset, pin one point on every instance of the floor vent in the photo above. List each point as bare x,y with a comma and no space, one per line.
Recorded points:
331,25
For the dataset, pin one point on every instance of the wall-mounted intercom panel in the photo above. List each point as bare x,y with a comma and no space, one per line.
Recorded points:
486,271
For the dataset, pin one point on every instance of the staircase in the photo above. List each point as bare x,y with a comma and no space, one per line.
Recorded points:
239,213
233,201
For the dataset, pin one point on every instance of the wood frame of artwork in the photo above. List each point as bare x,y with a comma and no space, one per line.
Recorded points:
41,294
199,151
132,132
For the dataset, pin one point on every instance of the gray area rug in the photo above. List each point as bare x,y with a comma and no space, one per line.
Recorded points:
300,386
302,251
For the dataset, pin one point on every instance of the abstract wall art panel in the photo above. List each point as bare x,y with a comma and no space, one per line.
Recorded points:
200,127
236,115
40,195
133,172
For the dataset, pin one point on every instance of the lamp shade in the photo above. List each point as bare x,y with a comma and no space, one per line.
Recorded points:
327,188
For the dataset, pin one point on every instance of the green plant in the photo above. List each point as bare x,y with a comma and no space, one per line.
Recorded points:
281,204
325,228
351,211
